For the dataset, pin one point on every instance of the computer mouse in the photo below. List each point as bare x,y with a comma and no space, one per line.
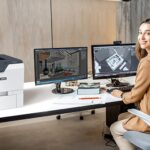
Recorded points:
109,90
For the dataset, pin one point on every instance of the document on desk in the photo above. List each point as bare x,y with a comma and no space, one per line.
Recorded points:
101,98
79,100
108,98
86,99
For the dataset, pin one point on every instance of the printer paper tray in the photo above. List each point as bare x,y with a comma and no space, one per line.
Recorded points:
7,102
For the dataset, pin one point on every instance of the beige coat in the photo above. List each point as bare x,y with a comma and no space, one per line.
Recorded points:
140,95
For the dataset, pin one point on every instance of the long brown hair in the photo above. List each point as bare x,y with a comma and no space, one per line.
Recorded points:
139,51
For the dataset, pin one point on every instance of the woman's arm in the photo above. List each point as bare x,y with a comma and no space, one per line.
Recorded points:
142,83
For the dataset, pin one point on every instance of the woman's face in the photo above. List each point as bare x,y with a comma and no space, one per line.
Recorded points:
144,36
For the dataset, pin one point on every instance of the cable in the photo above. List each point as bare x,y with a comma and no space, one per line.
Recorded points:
51,23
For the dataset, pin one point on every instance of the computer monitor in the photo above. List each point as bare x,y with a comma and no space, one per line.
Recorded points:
112,61
56,65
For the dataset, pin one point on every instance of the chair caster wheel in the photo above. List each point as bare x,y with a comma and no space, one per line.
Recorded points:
58,117
81,118
93,112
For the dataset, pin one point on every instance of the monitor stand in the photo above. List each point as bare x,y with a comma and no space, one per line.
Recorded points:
117,83
59,90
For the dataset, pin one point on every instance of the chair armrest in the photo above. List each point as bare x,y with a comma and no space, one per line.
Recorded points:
141,115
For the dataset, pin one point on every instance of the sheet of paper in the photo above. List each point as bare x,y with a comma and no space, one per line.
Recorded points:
86,99
107,98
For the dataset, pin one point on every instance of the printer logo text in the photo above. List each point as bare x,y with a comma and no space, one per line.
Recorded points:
3,78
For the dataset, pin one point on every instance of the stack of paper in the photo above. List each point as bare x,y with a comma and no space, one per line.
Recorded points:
88,88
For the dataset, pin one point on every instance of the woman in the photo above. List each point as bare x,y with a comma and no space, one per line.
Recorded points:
140,94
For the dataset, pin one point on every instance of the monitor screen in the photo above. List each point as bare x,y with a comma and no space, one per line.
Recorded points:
110,61
56,65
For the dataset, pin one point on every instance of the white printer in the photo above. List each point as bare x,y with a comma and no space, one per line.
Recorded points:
11,82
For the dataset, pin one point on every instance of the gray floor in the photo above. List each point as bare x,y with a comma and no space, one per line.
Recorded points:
47,133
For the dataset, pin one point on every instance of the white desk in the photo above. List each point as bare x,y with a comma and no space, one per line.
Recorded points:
40,101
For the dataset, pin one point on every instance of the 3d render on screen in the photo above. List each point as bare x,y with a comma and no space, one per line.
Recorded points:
56,65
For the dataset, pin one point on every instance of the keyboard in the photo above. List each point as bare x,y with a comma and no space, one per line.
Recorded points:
121,88
125,88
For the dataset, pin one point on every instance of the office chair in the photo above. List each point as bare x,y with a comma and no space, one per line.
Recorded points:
139,139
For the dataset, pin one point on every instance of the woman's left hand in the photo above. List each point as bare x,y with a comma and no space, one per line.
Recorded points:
116,93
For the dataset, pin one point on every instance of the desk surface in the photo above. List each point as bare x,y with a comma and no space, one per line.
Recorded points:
40,101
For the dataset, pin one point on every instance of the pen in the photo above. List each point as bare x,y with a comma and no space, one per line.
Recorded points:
89,98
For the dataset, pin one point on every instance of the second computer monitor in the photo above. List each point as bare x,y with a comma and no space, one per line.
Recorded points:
111,61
